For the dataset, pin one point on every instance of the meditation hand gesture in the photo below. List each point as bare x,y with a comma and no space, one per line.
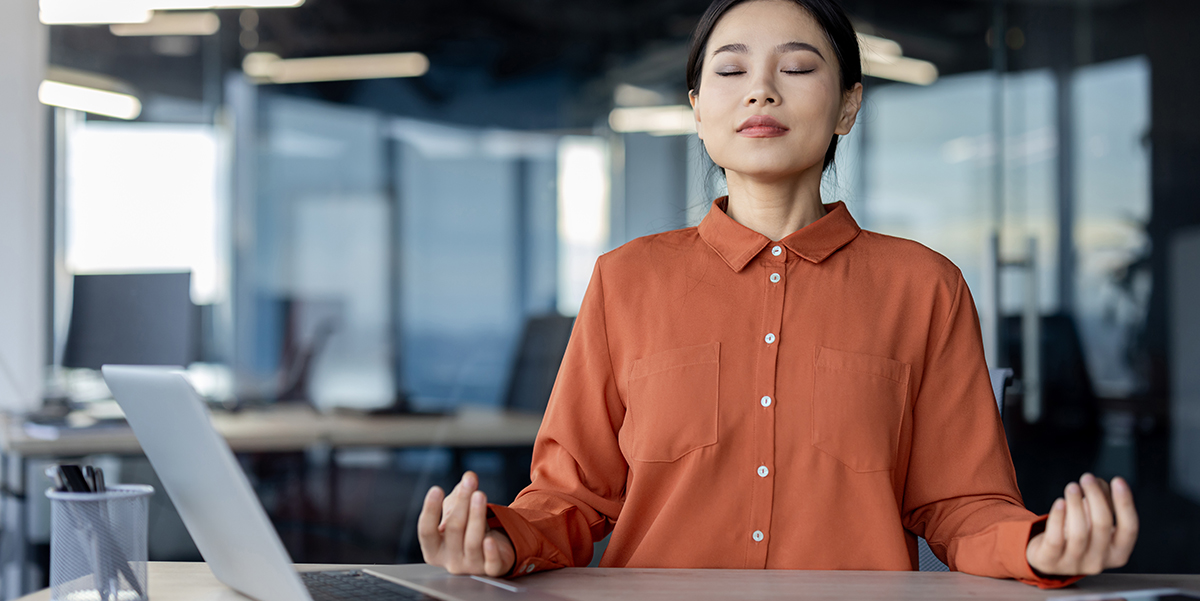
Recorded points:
1092,529
454,533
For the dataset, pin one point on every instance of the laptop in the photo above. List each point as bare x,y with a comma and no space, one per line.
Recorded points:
227,521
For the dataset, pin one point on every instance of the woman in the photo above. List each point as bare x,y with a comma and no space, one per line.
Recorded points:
776,388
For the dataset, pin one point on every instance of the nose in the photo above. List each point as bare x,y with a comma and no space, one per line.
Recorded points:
762,93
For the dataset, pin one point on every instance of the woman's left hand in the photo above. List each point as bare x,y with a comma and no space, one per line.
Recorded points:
1094,527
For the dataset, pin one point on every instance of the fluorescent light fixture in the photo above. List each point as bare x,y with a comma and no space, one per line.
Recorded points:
163,23
90,100
669,120
879,46
884,58
269,68
902,68
213,4
92,12
629,95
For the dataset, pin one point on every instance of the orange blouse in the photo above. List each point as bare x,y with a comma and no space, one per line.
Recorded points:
731,402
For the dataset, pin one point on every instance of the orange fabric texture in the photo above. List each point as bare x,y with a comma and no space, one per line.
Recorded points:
731,402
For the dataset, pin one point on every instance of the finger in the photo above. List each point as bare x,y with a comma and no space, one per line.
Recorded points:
1075,528
1099,509
491,557
1055,541
1107,490
427,531
1126,532
455,524
447,502
466,485
1101,518
476,529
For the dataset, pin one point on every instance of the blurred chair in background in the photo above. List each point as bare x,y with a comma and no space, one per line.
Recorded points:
131,319
535,364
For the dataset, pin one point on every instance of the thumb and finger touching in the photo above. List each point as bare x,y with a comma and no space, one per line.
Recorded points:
453,532
1091,528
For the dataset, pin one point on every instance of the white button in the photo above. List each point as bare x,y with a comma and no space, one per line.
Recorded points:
770,338
757,536
777,251
763,471
528,568
766,401
774,278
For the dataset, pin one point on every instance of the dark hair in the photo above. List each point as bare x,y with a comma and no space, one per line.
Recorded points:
828,14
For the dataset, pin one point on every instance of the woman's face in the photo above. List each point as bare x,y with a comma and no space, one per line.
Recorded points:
770,96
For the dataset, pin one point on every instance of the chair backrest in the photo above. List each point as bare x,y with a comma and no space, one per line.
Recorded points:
543,343
1000,380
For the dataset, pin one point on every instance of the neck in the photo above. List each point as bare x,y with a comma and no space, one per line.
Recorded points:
778,207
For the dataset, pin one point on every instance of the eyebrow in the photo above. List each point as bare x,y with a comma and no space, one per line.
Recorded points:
785,47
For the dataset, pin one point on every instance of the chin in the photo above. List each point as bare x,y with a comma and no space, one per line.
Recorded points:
769,168
771,163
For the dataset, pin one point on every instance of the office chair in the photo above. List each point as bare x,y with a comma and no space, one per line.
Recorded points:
927,561
538,355
132,319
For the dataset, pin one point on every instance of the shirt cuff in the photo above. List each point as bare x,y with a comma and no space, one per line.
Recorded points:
1019,541
524,540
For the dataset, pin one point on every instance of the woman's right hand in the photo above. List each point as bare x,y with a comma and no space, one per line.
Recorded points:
454,533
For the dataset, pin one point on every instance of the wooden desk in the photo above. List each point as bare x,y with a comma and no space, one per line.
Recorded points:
194,582
295,430
251,431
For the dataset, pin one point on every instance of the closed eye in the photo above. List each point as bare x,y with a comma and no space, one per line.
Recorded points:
799,71
728,73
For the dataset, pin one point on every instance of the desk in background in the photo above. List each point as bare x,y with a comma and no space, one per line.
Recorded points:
195,582
259,431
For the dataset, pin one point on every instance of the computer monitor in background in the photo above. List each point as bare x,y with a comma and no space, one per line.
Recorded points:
132,319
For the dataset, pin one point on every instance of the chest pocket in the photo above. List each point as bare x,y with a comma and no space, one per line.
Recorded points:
858,408
673,403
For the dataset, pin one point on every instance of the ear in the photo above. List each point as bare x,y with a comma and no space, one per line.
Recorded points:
851,102
694,97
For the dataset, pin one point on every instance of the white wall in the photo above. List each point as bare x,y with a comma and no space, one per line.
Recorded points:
23,190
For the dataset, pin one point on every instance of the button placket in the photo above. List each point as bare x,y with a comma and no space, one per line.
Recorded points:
773,273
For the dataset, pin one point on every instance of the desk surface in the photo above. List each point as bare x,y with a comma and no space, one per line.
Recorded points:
194,582
296,429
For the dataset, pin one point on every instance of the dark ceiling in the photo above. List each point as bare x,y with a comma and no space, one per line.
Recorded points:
566,53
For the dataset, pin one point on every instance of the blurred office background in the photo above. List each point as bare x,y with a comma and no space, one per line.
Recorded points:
363,242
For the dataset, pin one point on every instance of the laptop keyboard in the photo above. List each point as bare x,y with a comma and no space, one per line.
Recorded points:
353,585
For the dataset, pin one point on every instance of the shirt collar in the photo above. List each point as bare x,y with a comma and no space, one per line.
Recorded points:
738,244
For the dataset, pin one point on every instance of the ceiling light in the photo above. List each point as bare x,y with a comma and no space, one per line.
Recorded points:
190,23
269,68
903,69
210,4
93,12
90,100
90,12
657,120
884,58
878,45
629,95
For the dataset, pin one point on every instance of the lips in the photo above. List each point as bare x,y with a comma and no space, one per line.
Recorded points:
762,126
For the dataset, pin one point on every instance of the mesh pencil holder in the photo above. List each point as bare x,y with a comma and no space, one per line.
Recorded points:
98,544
